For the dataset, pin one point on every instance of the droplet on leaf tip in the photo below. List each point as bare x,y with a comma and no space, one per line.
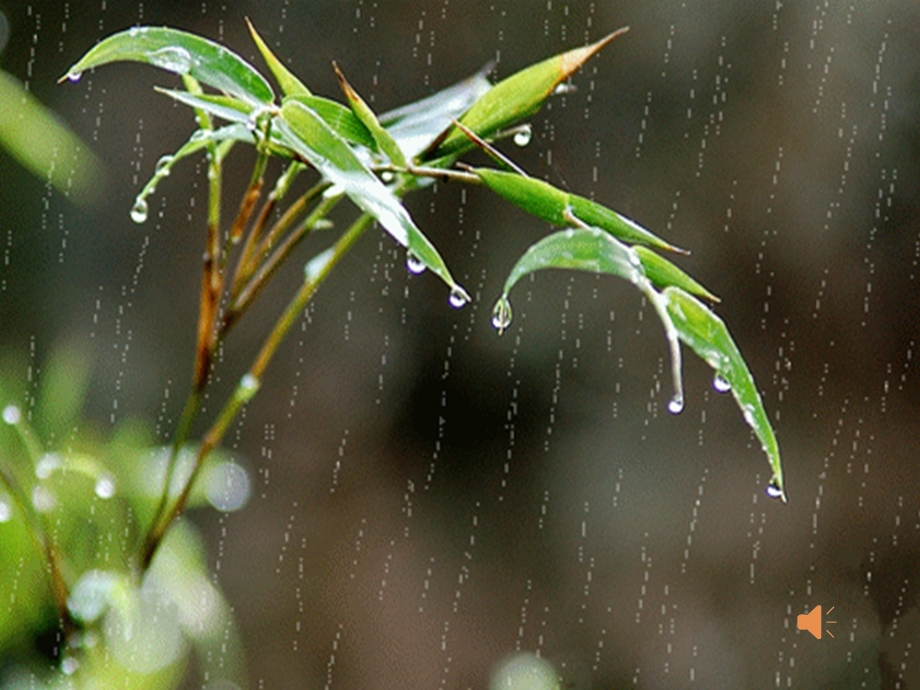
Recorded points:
676,405
139,211
523,135
721,384
458,298
414,264
773,489
74,76
501,315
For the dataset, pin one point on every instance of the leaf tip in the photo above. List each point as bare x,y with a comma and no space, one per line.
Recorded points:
574,59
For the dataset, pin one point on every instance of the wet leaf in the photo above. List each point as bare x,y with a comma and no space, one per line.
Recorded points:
517,97
664,274
557,207
225,107
384,140
309,136
290,84
181,53
340,119
415,126
707,334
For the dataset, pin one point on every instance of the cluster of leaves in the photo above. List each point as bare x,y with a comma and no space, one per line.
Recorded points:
372,161
71,500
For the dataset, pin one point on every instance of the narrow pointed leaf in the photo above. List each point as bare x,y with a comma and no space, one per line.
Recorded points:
555,206
593,250
225,107
416,125
305,133
339,118
385,141
517,97
664,274
181,53
290,84
707,334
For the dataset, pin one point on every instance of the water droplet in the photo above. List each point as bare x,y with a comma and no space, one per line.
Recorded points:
676,405
139,210
11,415
523,135
414,264
721,384
43,500
227,486
105,486
773,489
458,297
501,315
249,385
69,665
564,88
47,464
6,510
386,176
162,166
74,76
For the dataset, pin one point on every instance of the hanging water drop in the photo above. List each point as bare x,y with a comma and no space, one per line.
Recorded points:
773,489
74,76
721,384
523,135
6,510
162,166
139,210
386,177
414,264
676,405
501,315
458,297
11,415
105,486
69,665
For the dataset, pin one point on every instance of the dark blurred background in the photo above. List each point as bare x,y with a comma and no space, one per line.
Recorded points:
430,498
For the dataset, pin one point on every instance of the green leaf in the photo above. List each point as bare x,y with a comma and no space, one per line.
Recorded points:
308,135
385,141
339,118
290,84
707,334
416,125
515,98
225,107
664,274
181,53
555,206
595,251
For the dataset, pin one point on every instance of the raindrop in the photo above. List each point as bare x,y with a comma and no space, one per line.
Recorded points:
248,387
6,510
564,89
139,210
43,500
773,489
386,176
47,464
74,76
721,384
69,665
676,405
523,135
105,486
458,297
162,166
11,415
415,264
501,315
227,487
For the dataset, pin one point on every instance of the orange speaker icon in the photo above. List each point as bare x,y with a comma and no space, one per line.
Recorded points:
812,622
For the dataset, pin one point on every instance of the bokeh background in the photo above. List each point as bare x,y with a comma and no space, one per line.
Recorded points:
429,498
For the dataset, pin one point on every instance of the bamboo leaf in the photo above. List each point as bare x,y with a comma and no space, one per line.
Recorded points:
707,334
384,140
225,107
664,274
290,84
595,251
340,119
181,53
308,135
515,98
416,125
557,207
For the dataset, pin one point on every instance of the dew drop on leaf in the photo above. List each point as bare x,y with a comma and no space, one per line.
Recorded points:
162,166
773,490
523,135
501,315
721,384
105,486
6,510
414,264
676,405
139,211
74,76
11,415
458,298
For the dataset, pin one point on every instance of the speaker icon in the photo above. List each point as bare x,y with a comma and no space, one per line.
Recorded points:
812,622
